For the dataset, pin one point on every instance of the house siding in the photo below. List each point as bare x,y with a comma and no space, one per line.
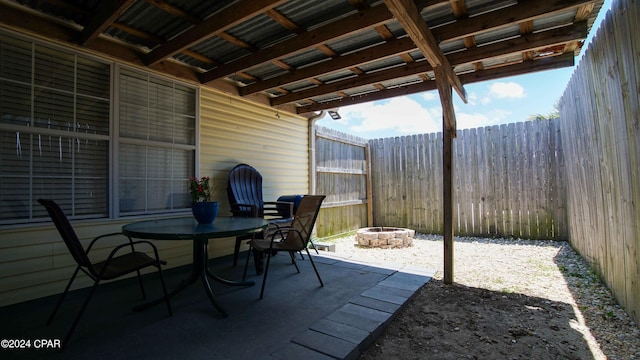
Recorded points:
34,261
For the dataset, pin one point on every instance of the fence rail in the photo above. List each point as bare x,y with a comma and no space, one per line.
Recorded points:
507,181
342,173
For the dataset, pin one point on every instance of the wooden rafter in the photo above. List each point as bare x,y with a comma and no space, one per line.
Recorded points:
138,33
523,11
58,20
354,23
213,26
100,21
284,21
526,27
177,12
393,47
582,14
406,12
529,42
520,68
390,48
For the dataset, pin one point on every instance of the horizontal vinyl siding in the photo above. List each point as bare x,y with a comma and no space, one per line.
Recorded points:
234,131
34,261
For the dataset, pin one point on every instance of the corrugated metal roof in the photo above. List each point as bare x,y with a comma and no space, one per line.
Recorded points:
262,53
478,7
304,58
382,64
335,76
363,40
312,14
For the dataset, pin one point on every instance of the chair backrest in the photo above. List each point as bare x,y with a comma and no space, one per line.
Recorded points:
303,222
244,186
66,231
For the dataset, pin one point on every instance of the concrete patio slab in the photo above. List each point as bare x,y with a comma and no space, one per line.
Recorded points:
296,319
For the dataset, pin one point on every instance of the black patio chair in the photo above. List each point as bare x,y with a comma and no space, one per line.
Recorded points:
244,190
290,238
117,264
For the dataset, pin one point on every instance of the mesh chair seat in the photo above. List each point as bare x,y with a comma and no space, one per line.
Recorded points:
290,237
122,260
122,265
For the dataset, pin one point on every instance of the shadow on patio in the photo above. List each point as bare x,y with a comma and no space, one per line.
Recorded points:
296,319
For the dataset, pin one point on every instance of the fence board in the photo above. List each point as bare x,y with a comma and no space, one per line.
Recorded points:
501,181
600,137
341,174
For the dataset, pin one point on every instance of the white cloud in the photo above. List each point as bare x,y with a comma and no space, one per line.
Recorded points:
474,120
472,99
398,115
506,90
430,96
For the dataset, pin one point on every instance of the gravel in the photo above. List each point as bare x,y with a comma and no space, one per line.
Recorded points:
545,269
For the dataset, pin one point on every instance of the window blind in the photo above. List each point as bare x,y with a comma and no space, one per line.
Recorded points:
54,132
157,143
55,136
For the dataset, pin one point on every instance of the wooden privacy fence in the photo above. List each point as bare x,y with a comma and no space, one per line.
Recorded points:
342,167
600,122
507,181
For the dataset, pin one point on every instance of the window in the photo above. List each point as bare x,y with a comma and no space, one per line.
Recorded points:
157,143
61,138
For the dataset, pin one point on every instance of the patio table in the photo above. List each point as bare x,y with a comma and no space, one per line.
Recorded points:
187,228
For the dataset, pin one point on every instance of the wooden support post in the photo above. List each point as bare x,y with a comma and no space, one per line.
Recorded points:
367,151
447,192
448,134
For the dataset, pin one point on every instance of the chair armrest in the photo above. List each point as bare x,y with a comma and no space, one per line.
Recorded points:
107,235
129,243
276,232
115,250
237,210
276,208
277,227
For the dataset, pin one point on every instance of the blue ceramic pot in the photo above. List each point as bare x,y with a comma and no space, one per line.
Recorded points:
205,212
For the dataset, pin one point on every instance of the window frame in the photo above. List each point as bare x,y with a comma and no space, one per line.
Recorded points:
118,140
113,139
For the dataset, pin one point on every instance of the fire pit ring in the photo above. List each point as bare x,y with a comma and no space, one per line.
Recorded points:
385,237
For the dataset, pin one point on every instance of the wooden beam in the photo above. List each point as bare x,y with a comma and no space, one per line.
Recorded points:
524,10
447,194
526,43
379,52
351,24
214,25
284,21
393,48
174,11
406,12
99,22
444,90
138,33
520,68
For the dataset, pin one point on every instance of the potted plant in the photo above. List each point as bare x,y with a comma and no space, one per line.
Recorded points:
203,209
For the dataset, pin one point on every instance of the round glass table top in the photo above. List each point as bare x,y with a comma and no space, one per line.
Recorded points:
187,228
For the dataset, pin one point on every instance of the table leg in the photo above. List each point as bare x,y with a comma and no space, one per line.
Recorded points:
196,265
217,278
199,268
204,261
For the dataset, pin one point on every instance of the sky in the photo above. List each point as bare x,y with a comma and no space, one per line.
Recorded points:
507,100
